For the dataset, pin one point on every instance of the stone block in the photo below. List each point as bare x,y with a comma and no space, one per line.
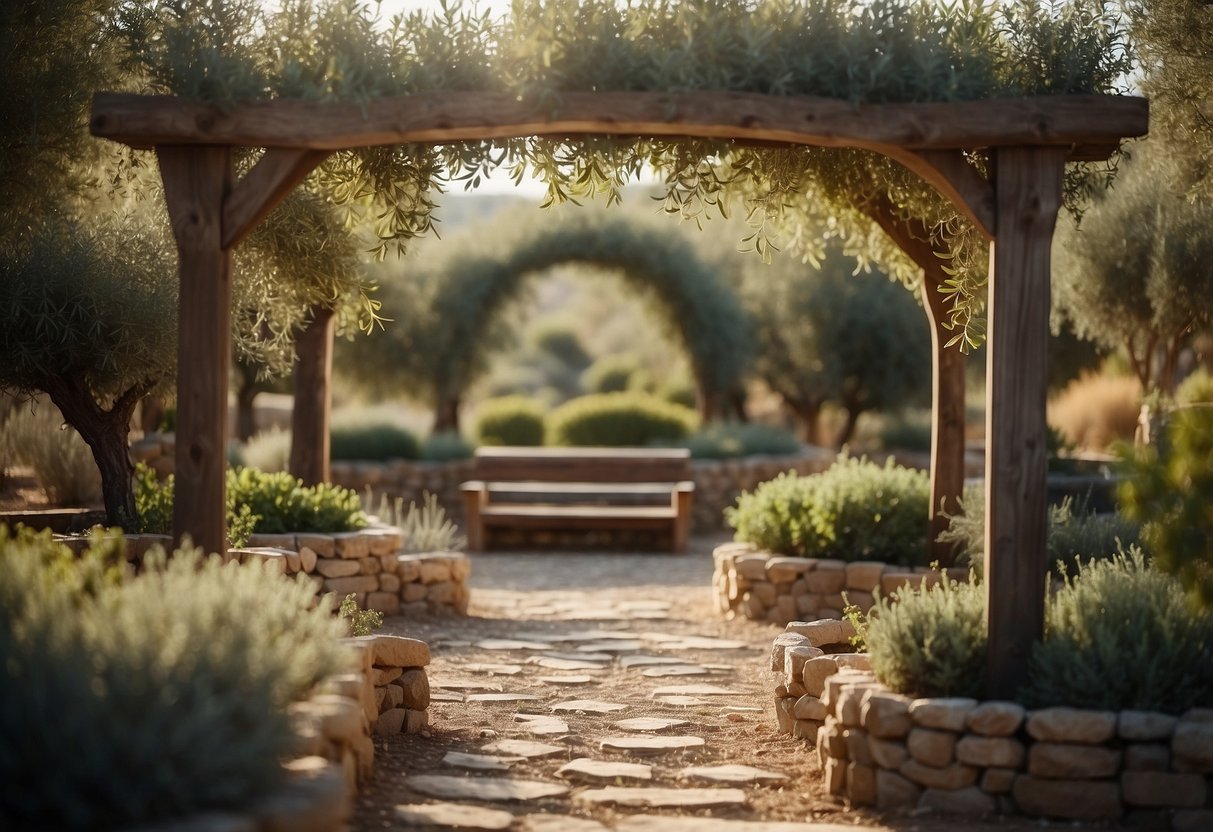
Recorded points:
388,563
1143,726
1066,761
864,600
995,719
416,721
381,700
413,593
764,591
1068,799
1072,725
892,581
461,566
931,747
389,583
354,584
836,777
271,541
805,604
894,791
785,608
307,559
888,754
968,802
1192,742
1192,820
339,718
415,689
863,576
794,660
408,569
954,776
391,722
784,714
787,570
397,651
382,676
1147,756
442,592
998,780
383,541
805,729
1163,790
826,581
293,562
351,545
861,784
821,632
751,567
369,566
387,603
850,703
835,738
393,696
945,714
322,544
835,683
885,714
856,740
809,707
336,567
990,752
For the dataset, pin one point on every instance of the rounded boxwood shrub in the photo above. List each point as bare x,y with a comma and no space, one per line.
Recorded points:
510,420
734,440
373,442
619,420
856,510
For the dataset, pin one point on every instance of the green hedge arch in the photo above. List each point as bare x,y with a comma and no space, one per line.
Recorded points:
474,285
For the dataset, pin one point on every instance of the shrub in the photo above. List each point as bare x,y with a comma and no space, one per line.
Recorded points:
681,392
1120,635
130,703
908,432
930,641
446,446
856,510
510,420
425,529
1097,410
62,462
375,441
733,440
257,502
619,420
615,374
269,450
1196,388
1073,532
358,622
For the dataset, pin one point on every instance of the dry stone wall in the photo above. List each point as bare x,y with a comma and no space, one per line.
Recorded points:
762,586
366,563
964,757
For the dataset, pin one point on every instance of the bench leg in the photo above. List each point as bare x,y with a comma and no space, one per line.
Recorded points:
472,501
682,520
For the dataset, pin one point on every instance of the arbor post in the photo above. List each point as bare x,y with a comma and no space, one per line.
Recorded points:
196,181
1027,185
947,421
310,416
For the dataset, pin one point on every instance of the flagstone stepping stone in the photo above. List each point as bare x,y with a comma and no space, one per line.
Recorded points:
540,610
464,684
480,762
589,706
451,644
493,669
512,644
651,744
611,646
663,798
500,697
682,701
453,816
662,670
559,823
555,663
643,604
641,660
592,635
584,768
696,690
523,748
592,615
649,723
740,709
704,643
580,656
445,696
483,788
541,724
565,680
731,774
666,823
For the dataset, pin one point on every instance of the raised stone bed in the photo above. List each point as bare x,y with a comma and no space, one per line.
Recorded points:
962,757
762,586
366,563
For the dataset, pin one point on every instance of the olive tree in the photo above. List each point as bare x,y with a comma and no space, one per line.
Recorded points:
827,336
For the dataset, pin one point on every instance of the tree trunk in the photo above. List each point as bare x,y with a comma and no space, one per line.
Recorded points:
310,416
848,427
809,414
105,432
446,415
246,412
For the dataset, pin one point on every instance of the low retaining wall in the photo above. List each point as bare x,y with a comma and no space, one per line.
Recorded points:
959,756
762,586
366,563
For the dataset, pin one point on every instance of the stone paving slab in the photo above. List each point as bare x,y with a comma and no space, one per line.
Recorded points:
492,669
541,724
555,663
500,697
646,745
560,823
642,660
573,679
649,723
480,762
622,646
663,670
582,656
665,823
524,748
731,774
655,798
589,706
695,690
585,768
512,644
453,816
682,701
483,788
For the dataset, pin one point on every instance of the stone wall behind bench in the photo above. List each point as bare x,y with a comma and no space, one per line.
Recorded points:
959,756
761,586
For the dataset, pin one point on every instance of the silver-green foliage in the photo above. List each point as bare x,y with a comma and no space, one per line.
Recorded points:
124,703
728,440
1121,634
423,529
35,435
930,640
856,510
619,420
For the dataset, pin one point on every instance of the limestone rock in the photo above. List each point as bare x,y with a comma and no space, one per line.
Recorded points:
786,570
955,776
970,802
863,575
453,816
1069,799
479,762
655,797
815,673
809,707
1145,725
861,784
483,788
821,632
794,659
584,768
998,780
1061,761
780,645
391,722
1072,725
894,791
1147,756
1192,743
888,754
651,744
990,752
995,719
1157,789
886,715
930,747
731,774
385,675
397,651
416,689
944,714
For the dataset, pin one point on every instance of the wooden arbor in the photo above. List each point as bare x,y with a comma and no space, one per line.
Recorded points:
1029,142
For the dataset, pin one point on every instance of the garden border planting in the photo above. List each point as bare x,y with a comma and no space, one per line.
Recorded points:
964,757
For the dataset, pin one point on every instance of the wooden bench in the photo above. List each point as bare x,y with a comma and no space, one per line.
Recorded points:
579,488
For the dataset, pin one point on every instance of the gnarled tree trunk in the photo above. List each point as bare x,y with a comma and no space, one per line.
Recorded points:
310,416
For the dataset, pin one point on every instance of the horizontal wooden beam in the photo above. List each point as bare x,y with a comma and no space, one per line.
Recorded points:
273,177
1089,122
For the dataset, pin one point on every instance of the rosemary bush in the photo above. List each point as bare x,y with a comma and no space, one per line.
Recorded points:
36,436
373,441
725,441
1121,634
128,703
619,420
424,529
930,641
856,510
510,420
446,446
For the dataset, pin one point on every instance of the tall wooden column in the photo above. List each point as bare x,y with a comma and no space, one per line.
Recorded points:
947,419
197,179
310,416
1027,187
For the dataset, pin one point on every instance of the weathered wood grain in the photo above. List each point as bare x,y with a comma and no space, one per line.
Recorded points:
261,189
311,414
